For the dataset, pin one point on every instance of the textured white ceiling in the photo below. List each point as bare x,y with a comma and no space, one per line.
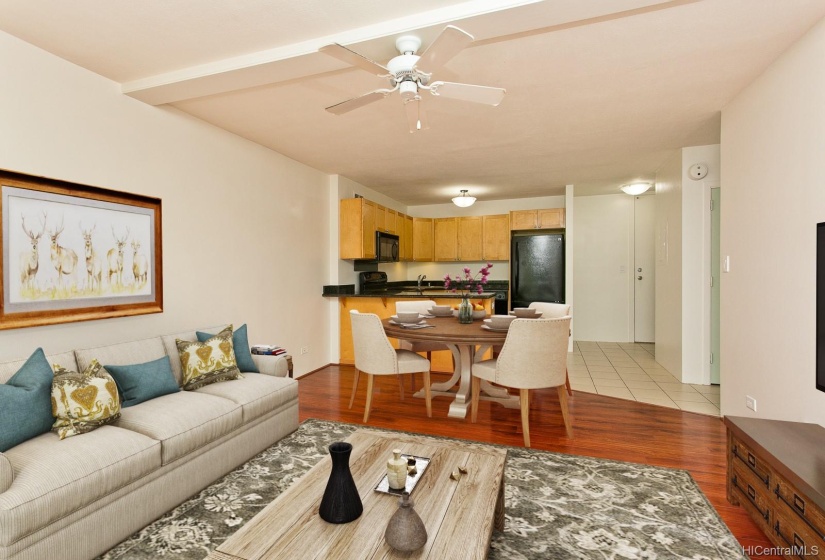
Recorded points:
598,93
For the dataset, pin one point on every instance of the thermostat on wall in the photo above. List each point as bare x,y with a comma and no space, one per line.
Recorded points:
698,171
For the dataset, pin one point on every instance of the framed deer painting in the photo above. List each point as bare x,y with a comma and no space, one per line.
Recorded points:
76,253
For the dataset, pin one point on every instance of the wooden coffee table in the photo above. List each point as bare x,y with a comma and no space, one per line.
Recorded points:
459,514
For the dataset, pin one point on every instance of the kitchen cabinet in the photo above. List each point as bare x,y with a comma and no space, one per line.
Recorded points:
380,213
550,218
356,228
391,221
496,237
470,238
405,233
445,239
423,249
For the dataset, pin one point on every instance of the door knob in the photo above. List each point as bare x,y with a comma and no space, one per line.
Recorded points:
638,278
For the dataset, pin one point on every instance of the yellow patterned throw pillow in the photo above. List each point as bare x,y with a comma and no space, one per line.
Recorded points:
208,362
82,402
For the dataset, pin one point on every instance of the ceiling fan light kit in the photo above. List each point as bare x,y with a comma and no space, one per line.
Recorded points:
636,189
410,73
464,201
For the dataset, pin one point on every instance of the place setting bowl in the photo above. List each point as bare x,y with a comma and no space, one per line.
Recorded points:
526,313
498,322
407,318
441,310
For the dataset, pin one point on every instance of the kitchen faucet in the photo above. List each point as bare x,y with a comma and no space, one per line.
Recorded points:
420,278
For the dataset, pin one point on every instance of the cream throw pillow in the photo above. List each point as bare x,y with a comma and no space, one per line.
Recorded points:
208,362
82,402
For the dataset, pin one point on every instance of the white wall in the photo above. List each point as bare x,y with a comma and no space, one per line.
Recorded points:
603,265
696,262
242,241
773,135
669,265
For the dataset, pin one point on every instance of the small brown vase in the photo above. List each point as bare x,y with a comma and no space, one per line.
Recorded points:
405,531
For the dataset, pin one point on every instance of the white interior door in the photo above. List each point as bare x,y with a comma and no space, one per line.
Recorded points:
644,278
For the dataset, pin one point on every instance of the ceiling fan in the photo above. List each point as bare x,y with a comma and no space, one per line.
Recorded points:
411,74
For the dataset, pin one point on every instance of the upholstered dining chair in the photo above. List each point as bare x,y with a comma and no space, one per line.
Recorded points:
374,355
549,310
534,356
423,307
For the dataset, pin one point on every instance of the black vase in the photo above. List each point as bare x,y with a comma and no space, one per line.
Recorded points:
341,502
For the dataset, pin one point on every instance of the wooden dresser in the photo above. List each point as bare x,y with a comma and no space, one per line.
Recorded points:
776,471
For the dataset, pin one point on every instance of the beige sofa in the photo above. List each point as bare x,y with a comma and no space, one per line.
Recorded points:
76,498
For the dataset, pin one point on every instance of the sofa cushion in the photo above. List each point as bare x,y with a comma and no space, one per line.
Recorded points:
54,478
182,421
171,347
137,383
25,405
258,395
208,362
82,402
7,369
123,354
240,344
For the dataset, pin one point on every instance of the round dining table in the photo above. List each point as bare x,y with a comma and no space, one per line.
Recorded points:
468,343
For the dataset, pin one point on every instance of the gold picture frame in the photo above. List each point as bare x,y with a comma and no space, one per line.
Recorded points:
74,252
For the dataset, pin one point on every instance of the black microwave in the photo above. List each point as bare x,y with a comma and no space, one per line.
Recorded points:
386,247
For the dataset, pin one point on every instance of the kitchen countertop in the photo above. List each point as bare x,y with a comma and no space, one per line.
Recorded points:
414,294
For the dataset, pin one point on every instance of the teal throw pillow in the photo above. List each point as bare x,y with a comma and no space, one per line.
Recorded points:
240,343
26,402
137,383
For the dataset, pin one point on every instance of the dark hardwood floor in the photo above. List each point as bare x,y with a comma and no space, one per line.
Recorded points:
602,427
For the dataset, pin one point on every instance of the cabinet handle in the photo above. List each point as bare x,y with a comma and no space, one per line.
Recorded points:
751,492
798,542
751,459
799,503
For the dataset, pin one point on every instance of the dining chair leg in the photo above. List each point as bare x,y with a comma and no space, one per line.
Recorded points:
428,395
354,388
567,383
369,397
524,397
475,391
565,413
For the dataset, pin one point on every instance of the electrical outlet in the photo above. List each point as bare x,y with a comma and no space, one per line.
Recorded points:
750,402
304,350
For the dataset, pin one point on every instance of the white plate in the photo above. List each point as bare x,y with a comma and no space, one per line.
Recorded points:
489,328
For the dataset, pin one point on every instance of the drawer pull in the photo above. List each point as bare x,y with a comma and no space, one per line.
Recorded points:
798,542
751,492
751,462
799,503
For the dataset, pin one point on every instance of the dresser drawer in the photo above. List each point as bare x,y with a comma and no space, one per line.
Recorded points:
750,489
801,540
743,456
791,502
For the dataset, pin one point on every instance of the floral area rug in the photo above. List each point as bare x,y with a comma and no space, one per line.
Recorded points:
557,506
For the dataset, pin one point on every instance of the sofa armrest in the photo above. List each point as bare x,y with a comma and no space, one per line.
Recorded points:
271,365
6,473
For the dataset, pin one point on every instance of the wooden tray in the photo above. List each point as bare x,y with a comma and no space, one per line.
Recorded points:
421,464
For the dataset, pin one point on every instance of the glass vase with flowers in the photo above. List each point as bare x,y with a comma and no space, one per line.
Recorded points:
465,285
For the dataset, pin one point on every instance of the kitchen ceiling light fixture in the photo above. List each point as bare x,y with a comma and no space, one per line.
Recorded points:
463,200
635,188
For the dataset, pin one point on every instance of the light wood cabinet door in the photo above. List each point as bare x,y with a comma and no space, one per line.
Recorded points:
422,239
496,233
470,238
391,221
551,218
380,217
356,232
523,219
446,239
406,233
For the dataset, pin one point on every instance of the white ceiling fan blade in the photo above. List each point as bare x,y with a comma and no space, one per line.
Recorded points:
449,43
468,92
416,116
358,102
351,57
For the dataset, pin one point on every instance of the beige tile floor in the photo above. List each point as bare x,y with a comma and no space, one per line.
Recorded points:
629,371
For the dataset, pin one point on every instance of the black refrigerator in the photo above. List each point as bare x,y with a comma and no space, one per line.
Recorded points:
536,268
